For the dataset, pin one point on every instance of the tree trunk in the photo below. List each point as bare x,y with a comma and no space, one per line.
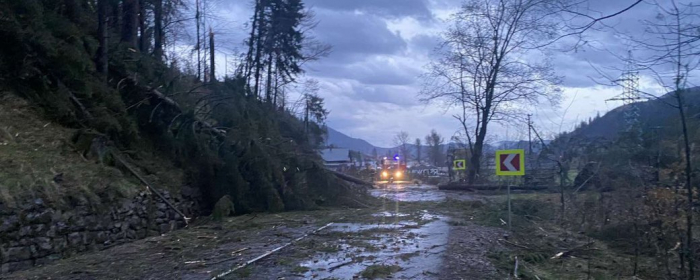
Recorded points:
197,18
475,159
562,174
283,99
258,48
143,38
251,41
276,89
158,32
102,61
689,187
130,23
306,115
268,87
212,56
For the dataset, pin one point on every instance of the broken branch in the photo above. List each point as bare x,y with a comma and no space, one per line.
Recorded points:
221,275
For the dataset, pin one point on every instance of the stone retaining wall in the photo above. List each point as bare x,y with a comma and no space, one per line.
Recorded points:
39,234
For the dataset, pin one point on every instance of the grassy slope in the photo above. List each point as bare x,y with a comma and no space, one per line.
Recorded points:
38,159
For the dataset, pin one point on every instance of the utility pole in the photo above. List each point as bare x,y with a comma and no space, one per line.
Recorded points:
529,133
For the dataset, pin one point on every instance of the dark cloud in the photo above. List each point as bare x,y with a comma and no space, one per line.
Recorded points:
425,43
385,8
357,92
353,35
397,95
576,70
370,81
374,70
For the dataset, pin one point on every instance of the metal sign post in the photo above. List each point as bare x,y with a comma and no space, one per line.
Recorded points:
510,163
509,219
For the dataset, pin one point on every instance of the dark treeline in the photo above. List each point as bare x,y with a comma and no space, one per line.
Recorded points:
100,66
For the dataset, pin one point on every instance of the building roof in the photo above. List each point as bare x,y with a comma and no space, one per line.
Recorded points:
335,155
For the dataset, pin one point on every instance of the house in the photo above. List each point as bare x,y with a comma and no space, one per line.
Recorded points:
335,158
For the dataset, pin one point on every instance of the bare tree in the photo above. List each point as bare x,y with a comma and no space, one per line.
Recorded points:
434,142
675,52
482,66
313,105
670,48
577,17
401,140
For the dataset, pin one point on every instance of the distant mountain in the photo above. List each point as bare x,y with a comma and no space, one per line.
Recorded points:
652,113
520,144
340,140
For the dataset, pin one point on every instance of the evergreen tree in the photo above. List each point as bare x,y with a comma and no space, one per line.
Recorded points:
275,45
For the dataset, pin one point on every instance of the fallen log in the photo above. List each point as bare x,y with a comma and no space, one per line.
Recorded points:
171,102
458,186
150,187
569,252
351,179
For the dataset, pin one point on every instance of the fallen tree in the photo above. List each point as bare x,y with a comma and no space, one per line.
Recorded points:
463,186
351,179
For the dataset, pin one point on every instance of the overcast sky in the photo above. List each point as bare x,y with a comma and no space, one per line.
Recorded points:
380,48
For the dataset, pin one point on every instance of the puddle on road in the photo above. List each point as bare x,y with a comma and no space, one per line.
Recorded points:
359,228
415,193
389,214
416,249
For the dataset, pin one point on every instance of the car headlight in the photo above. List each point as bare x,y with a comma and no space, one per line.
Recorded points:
399,174
385,174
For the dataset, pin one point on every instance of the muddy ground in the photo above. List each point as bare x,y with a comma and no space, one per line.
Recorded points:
412,234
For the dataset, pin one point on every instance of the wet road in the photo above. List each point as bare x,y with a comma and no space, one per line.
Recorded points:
406,237
413,250
416,193
404,242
